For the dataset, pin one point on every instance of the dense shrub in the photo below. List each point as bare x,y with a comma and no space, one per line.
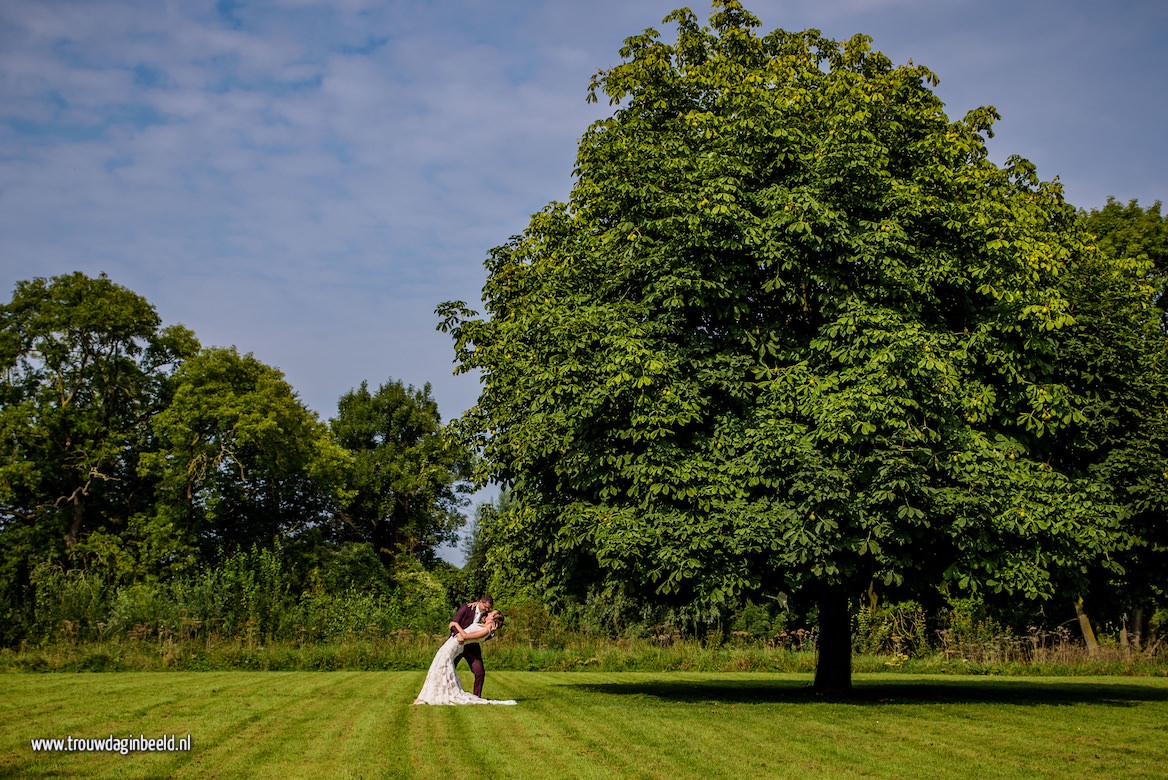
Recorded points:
891,629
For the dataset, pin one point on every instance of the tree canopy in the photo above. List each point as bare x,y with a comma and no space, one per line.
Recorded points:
240,460
793,331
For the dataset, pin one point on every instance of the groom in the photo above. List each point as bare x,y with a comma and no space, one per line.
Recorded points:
466,616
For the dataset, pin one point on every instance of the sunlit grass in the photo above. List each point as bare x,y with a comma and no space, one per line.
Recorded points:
590,724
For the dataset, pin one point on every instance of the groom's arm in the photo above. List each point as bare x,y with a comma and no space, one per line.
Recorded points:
459,617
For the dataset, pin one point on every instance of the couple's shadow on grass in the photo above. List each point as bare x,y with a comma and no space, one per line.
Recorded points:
1029,692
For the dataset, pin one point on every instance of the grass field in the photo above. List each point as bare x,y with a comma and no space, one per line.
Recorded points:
583,724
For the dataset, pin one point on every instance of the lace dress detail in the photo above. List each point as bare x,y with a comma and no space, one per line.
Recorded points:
442,685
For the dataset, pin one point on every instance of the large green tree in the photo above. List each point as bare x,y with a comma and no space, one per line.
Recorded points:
410,477
792,331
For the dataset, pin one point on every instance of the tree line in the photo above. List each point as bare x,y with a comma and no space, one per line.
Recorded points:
131,453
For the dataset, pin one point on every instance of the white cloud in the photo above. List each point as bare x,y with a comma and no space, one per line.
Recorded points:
309,182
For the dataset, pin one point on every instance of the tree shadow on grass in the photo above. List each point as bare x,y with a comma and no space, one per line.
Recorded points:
1029,692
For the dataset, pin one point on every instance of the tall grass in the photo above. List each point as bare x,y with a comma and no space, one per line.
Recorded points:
252,596
406,650
252,611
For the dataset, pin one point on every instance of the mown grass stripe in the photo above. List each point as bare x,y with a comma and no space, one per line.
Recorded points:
377,741
589,724
566,742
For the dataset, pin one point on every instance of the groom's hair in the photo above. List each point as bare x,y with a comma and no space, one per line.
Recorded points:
487,600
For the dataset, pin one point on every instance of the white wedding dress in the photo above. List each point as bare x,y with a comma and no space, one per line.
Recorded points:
442,685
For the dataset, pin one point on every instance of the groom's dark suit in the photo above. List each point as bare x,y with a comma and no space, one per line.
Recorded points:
473,653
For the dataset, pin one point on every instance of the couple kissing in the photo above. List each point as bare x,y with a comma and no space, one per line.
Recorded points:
473,624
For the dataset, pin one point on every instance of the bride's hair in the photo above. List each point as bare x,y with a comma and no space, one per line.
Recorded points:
497,616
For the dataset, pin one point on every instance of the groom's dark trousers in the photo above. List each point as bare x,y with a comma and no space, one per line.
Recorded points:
473,653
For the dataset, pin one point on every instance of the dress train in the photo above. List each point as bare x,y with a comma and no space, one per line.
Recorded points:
442,685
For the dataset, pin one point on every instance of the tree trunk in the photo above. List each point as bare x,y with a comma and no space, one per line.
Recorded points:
833,668
383,542
1138,628
77,519
1085,627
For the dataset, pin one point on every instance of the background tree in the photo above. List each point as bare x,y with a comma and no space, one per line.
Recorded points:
793,331
1132,232
84,364
84,361
240,460
478,575
410,476
1121,351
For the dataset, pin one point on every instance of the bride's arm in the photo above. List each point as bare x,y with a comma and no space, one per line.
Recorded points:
474,633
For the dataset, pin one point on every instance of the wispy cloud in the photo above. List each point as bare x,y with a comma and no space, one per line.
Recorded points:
307,179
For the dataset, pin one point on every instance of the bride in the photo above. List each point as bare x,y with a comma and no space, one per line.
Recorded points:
442,685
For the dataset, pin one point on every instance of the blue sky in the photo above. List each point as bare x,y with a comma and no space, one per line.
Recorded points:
306,180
